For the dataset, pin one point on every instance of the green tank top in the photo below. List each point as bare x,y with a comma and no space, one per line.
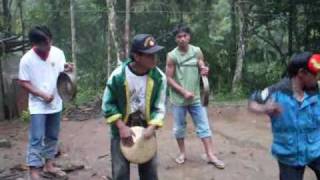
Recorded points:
186,74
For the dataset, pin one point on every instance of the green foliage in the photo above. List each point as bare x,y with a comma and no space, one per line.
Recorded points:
25,116
228,97
86,95
215,28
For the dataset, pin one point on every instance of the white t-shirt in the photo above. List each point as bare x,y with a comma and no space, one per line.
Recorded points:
137,88
43,75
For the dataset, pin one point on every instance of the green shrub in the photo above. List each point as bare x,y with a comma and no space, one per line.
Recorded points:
25,116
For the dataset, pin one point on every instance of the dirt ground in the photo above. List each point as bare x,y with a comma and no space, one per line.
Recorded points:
241,139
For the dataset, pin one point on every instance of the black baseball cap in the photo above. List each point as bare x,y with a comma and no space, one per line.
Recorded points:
145,43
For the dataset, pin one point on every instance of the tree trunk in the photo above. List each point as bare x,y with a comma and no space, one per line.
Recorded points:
207,21
182,5
2,100
127,29
236,82
290,27
112,27
22,22
307,28
6,15
109,44
233,44
73,35
109,53
56,9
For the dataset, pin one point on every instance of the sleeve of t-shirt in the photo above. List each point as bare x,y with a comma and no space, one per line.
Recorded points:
24,71
261,97
171,56
269,92
198,51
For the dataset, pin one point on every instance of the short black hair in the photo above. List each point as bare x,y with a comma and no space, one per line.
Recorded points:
298,61
132,53
181,28
39,34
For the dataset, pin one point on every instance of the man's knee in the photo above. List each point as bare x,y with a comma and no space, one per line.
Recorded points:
204,133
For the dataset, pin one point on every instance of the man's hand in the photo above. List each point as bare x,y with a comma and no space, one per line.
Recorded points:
204,70
188,95
125,133
68,67
149,132
47,98
272,108
36,92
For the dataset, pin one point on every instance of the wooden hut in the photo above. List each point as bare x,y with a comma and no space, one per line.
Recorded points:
13,99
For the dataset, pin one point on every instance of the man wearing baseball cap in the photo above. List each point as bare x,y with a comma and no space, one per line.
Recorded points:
293,106
136,88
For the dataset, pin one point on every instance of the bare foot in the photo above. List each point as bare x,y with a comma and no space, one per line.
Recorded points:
51,169
35,173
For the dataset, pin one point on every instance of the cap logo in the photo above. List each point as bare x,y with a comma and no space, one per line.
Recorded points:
314,63
149,42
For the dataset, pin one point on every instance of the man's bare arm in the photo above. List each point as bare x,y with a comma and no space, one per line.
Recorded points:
270,108
35,91
170,70
200,60
204,70
255,107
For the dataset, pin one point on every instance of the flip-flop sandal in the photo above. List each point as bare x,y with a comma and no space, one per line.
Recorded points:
217,163
180,160
57,173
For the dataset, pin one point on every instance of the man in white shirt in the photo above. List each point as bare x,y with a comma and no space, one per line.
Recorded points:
38,74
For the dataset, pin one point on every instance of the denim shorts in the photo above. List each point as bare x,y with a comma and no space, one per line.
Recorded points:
199,118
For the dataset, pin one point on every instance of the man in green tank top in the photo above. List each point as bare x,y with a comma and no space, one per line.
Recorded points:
185,64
